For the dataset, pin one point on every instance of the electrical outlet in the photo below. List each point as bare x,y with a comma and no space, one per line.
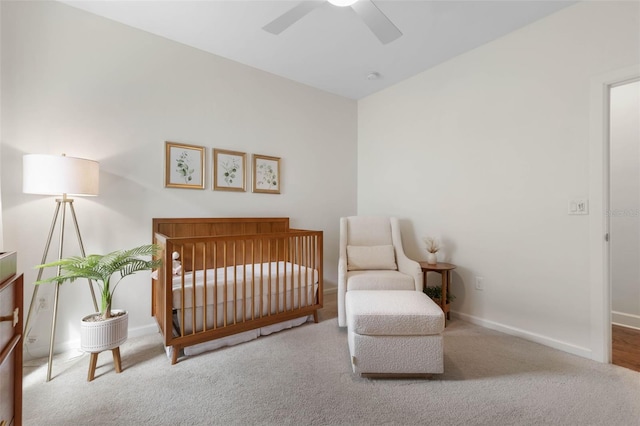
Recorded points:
42,304
32,339
480,283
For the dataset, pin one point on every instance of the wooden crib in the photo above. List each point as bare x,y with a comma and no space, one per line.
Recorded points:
249,273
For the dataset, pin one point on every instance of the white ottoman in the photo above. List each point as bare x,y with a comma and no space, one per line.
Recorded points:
395,332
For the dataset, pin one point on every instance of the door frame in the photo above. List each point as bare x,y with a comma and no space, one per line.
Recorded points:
599,255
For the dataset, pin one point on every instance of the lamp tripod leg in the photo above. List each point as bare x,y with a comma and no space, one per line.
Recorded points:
34,296
55,299
75,223
53,331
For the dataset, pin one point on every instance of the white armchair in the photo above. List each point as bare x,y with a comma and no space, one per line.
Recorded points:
372,258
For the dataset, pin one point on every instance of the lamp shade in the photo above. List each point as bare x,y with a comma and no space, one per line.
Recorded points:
58,174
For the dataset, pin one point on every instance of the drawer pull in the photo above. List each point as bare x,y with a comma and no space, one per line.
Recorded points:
14,320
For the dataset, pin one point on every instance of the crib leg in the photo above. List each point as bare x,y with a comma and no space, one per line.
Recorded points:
315,316
174,355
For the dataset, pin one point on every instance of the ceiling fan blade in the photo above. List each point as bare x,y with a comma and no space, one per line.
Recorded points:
291,16
377,21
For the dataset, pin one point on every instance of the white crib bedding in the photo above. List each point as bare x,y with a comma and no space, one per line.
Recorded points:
243,337
280,286
278,277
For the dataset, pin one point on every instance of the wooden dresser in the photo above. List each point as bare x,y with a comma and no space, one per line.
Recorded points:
11,304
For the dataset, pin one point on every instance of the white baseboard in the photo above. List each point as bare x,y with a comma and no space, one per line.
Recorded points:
41,350
533,337
625,320
330,290
144,330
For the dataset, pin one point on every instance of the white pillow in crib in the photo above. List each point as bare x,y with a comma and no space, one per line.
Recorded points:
371,257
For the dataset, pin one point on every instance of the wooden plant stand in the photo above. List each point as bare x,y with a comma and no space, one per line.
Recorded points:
93,362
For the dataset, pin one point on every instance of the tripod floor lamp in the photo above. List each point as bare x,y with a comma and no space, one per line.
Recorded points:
63,176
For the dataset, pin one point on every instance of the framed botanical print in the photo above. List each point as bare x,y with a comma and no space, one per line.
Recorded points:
184,166
266,174
229,170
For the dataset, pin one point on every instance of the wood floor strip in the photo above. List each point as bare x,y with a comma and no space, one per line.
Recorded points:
626,347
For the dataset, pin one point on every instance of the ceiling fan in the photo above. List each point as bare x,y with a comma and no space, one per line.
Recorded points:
377,21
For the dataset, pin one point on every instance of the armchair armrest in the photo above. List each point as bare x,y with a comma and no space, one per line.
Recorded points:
405,265
411,267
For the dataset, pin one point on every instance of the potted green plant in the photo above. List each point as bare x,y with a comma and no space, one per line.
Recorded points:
106,329
435,293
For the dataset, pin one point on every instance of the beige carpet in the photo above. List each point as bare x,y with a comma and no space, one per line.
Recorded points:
303,377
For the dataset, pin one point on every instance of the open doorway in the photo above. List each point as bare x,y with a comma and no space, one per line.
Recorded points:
623,215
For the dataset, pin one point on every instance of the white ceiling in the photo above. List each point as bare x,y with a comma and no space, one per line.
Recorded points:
330,48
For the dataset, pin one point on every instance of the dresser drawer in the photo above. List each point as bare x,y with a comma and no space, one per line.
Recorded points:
11,303
8,314
7,389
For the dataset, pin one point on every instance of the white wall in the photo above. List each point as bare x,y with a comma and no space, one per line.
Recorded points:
625,204
78,84
485,151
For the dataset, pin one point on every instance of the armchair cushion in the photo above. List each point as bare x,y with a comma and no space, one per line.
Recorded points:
379,280
371,257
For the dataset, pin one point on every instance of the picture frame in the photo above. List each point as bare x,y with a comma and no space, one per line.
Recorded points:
266,174
229,170
184,166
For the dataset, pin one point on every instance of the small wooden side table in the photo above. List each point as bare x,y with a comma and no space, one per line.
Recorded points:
443,269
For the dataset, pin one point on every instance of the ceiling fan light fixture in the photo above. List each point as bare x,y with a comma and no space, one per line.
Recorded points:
342,3
374,18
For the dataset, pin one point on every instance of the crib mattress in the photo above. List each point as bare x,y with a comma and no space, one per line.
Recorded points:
268,288
257,280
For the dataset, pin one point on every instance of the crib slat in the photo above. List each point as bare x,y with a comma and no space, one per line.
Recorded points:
298,261
290,244
270,290
225,284
235,283
303,287
215,286
205,304
277,263
309,296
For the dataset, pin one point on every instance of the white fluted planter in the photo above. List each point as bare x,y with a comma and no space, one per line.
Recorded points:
98,336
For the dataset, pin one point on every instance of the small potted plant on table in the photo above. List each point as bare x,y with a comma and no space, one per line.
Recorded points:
108,328
433,246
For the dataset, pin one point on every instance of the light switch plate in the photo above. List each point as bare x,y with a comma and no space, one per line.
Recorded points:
578,206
